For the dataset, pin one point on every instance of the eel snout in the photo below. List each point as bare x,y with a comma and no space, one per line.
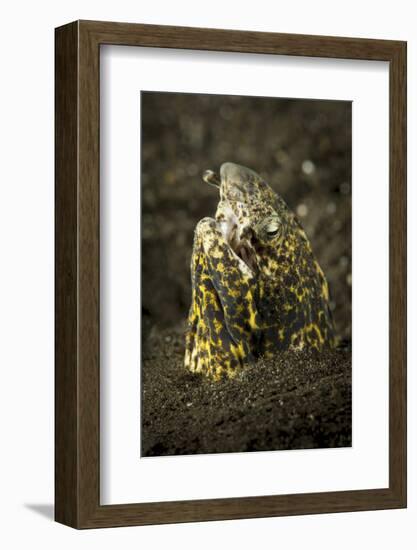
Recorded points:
237,235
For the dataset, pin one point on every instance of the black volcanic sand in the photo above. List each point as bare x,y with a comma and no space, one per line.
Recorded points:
296,401
303,149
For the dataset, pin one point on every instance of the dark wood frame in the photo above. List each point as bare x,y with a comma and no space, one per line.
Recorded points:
77,274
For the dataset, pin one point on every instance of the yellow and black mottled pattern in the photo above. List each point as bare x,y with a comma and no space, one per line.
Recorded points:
256,285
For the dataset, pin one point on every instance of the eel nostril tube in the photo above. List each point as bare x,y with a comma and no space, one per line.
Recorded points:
211,178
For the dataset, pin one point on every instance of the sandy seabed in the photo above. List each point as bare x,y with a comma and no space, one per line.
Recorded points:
298,400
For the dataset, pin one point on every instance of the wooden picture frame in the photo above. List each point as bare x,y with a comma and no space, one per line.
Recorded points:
77,381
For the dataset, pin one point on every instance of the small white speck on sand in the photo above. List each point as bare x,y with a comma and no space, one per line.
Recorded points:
308,167
302,210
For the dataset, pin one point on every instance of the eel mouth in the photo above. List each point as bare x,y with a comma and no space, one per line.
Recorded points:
241,244
238,237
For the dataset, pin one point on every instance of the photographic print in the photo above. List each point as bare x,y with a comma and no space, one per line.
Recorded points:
203,274
246,274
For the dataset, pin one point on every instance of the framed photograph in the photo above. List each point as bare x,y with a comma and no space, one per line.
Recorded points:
230,274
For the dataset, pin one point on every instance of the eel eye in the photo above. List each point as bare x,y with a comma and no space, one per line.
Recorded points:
273,228
270,228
